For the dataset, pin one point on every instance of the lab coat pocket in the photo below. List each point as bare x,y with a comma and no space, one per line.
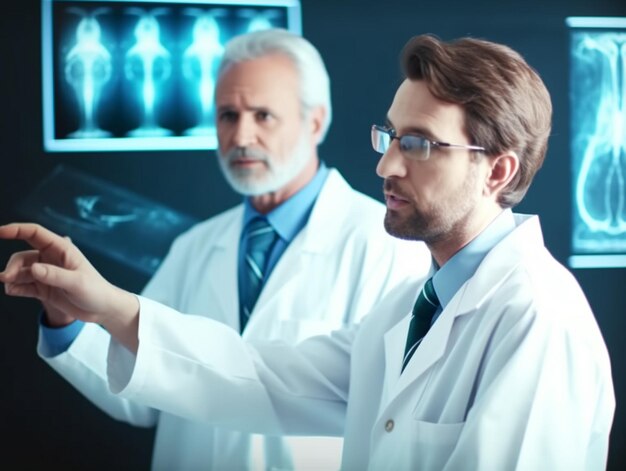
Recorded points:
435,442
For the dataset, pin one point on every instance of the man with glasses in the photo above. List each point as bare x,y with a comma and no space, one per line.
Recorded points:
499,364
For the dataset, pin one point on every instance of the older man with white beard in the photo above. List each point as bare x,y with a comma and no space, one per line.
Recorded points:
329,261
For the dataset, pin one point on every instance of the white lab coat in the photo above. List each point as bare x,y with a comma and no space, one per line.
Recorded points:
334,271
513,375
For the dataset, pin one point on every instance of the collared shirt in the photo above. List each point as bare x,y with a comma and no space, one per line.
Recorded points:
56,340
448,279
287,219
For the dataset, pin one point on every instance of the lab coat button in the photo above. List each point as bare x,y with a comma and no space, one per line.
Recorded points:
389,425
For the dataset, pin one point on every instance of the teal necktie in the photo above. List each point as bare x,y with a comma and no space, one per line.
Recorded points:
423,311
261,239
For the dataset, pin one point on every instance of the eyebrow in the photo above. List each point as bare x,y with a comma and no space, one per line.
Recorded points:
253,109
419,131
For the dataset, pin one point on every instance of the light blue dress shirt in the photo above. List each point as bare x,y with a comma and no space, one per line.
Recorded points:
288,219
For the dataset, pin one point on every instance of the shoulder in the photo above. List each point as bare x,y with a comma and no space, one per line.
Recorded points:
357,208
544,298
336,183
548,285
208,230
521,270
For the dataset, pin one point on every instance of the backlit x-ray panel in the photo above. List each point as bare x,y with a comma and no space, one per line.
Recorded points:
140,75
105,217
598,141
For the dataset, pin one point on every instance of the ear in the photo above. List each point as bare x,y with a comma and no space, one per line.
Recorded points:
502,170
316,119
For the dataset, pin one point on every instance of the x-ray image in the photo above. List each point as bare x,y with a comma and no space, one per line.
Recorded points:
138,75
598,140
106,218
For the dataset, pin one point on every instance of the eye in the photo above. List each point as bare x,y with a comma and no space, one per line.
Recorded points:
228,116
410,142
263,115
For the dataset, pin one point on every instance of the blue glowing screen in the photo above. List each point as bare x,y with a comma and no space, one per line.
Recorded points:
598,141
138,75
105,217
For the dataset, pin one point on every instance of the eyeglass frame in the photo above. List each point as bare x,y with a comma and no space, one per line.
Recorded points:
425,150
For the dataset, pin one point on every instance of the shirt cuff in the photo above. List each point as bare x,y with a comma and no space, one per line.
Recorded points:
56,340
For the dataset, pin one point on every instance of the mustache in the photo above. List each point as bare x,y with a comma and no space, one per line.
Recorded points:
391,186
242,153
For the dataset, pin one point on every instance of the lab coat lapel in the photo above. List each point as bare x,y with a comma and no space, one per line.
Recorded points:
395,340
430,350
315,240
224,269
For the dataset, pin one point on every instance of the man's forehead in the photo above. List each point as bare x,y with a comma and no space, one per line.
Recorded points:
415,109
266,67
261,82
242,99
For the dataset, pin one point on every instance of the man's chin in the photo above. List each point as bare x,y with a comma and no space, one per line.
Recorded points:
253,189
395,231
398,227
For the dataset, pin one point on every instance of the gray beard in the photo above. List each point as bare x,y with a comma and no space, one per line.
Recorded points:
276,176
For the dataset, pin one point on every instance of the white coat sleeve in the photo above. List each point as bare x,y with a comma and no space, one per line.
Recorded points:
201,369
83,365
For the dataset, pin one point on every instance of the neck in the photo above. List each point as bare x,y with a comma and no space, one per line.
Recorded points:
444,249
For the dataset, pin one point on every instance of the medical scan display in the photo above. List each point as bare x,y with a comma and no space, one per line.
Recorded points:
108,219
598,141
135,75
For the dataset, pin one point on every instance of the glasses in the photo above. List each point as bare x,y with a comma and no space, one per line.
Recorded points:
412,147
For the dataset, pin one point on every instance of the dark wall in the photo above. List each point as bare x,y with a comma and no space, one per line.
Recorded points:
360,40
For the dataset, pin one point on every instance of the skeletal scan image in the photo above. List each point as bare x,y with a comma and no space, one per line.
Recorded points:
87,68
111,220
147,64
200,61
139,70
598,145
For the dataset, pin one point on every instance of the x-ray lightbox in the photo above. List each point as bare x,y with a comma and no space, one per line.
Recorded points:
114,221
598,141
140,75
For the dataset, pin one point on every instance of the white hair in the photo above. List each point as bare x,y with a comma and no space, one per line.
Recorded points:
312,74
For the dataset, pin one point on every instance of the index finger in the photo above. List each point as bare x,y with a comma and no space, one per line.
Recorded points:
35,235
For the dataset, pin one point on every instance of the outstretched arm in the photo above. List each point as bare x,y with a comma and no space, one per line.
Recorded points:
61,277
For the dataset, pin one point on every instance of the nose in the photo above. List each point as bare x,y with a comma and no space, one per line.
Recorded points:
244,131
392,163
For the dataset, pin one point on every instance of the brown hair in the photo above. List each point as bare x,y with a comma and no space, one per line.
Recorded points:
507,106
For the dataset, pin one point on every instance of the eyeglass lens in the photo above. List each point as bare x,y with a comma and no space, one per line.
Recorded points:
380,140
415,146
